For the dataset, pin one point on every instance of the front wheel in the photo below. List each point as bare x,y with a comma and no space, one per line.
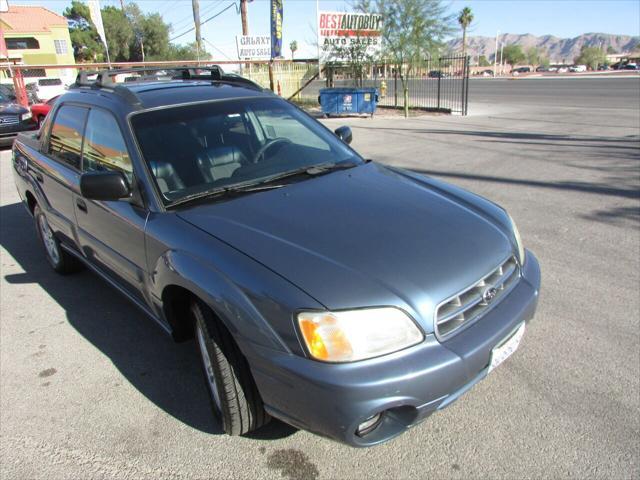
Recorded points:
60,261
234,396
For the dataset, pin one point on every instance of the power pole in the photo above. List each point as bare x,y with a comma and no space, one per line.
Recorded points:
196,20
244,15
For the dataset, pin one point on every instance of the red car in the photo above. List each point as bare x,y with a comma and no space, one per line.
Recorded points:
39,110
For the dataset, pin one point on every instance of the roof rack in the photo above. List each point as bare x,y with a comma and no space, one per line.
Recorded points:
105,78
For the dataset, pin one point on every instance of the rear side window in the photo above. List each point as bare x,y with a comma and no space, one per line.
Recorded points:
104,147
65,141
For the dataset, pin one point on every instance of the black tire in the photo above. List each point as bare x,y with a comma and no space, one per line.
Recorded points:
61,261
234,396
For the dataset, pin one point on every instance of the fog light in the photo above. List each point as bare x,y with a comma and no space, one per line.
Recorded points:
368,425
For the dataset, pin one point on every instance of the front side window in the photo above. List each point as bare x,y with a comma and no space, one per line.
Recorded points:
65,141
104,147
195,148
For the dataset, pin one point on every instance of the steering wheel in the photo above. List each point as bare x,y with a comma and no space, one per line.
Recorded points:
267,146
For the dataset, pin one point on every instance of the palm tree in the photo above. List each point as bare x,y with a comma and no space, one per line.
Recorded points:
293,46
464,19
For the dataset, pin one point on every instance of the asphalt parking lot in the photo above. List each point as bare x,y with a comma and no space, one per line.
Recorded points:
89,387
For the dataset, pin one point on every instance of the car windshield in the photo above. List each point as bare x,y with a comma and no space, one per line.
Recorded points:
204,147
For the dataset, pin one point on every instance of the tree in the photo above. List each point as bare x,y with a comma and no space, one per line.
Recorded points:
412,31
465,17
483,62
513,54
86,43
294,48
591,57
533,55
182,52
611,50
119,33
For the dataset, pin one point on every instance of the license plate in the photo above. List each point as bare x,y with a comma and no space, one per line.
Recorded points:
500,353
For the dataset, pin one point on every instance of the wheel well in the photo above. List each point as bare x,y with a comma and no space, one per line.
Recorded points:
31,201
176,303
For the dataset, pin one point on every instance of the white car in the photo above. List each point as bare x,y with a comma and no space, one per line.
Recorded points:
578,68
562,69
47,88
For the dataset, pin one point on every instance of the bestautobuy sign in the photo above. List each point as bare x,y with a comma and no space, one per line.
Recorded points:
340,29
253,47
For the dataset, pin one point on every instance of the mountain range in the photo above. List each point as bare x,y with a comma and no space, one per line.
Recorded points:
557,49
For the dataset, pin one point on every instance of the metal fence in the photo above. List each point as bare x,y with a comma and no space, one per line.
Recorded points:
440,84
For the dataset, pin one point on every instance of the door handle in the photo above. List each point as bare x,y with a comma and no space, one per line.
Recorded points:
81,205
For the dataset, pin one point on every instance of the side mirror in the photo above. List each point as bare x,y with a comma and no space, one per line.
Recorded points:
104,186
344,134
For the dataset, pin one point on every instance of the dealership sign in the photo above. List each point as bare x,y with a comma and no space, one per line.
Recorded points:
253,47
340,30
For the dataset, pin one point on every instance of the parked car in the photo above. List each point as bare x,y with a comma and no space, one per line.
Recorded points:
578,68
603,67
338,294
487,73
562,69
14,118
542,69
521,70
40,110
631,66
438,74
47,88
553,68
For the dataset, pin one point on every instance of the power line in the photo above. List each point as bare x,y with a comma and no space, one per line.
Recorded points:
207,20
184,21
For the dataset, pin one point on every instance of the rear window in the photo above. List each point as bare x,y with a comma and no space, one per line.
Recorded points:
47,82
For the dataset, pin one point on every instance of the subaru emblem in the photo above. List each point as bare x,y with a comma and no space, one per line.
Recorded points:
489,294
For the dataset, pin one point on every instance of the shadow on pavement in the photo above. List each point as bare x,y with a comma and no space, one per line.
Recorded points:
168,374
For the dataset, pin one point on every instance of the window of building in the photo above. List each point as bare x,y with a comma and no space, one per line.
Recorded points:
65,141
104,147
34,72
61,46
22,43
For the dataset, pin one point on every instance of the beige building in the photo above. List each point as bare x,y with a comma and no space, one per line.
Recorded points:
36,35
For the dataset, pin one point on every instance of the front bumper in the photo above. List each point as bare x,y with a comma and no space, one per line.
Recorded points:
333,399
9,133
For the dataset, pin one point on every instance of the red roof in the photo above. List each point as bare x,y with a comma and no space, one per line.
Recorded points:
31,19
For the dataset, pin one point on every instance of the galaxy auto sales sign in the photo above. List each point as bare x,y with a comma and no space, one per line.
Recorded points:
339,30
253,47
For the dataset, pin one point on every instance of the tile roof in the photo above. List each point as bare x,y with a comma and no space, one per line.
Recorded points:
21,18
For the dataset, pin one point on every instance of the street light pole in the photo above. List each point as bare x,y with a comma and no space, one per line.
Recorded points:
501,58
495,58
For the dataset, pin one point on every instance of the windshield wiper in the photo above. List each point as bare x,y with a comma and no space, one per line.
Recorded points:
311,170
265,184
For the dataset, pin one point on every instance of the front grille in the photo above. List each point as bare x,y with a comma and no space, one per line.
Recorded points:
470,304
9,119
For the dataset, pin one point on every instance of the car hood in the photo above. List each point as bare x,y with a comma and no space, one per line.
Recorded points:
12,109
367,236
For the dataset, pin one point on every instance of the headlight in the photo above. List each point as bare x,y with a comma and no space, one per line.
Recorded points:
26,116
516,234
348,336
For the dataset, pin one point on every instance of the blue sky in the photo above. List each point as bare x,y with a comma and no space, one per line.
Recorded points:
562,18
